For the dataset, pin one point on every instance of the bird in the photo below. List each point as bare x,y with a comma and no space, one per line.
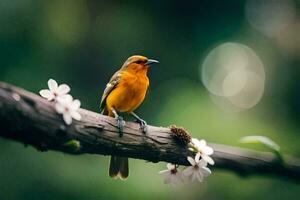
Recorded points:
124,93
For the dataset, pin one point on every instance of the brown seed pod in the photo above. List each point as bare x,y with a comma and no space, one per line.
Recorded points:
180,135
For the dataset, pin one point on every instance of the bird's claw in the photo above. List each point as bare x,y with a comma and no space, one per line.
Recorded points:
120,124
144,125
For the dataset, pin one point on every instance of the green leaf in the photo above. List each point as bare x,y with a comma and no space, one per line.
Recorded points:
267,142
256,139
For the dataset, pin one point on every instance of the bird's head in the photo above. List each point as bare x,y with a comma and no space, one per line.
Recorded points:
138,63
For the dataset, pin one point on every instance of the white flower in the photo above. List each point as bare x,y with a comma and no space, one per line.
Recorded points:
204,150
172,175
68,107
54,90
198,170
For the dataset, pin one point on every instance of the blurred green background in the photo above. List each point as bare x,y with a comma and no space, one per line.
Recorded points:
82,43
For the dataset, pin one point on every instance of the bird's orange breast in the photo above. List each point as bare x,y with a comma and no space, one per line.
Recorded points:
129,93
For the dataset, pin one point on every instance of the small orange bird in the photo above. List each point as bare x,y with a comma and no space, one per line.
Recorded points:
125,91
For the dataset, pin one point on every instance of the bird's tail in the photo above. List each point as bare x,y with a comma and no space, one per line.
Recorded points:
118,166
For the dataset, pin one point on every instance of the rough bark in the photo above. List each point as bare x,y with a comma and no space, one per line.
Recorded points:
28,118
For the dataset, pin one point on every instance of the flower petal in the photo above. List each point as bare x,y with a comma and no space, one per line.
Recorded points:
65,99
202,143
76,104
194,176
208,159
76,115
202,163
177,179
163,171
199,176
191,160
171,166
195,141
173,179
168,179
188,171
52,84
47,94
206,171
197,157
67,118
63,89
207,150
59,108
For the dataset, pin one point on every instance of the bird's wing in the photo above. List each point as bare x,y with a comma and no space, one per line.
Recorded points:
114,81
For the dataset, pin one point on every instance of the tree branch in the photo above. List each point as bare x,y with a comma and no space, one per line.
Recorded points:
27,118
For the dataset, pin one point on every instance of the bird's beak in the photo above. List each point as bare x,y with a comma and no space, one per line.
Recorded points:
151,61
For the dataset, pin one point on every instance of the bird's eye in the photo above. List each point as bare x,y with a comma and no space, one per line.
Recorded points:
139,62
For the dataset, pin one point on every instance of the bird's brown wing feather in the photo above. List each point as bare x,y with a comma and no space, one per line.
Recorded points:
114,81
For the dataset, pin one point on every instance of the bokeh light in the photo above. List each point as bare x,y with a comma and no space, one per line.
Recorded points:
270,17
289,40
234,75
